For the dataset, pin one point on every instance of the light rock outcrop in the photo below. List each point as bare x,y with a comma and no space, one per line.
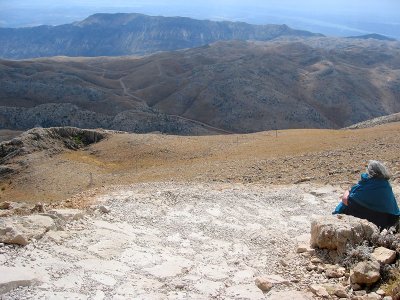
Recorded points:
67,214
20,230
267,282
338,231
334,271
5,205
384,255
372,296
305,248
366,272
289,295
263,284
11,278
275,279
104,209
319,290
340,292
336,289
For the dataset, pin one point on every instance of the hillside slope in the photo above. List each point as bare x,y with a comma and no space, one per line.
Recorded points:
129,34
317,156
220,88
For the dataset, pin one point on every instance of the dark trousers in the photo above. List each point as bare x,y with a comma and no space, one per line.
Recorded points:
382,220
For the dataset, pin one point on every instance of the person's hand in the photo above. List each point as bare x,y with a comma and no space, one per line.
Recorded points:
345,198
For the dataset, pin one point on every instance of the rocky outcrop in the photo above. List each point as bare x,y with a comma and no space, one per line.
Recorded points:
361,262
376,121
53,140
21,230
56,138
339,231
69,114
8,208
51,115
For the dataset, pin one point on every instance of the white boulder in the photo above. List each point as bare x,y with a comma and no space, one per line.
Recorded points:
337,231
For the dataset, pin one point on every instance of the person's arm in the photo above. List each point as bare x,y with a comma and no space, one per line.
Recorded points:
345,198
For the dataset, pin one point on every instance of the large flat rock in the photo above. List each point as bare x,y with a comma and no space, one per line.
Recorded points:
11,278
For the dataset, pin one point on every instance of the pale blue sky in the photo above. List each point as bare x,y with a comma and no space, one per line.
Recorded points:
338,17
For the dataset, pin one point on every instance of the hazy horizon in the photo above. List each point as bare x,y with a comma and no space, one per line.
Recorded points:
338,18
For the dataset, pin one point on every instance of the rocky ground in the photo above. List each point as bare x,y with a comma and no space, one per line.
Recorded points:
182,217
177,241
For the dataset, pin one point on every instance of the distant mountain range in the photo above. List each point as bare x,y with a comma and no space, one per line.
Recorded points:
130,34
373,36
229,86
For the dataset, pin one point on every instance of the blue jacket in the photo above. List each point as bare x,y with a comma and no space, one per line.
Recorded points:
373,193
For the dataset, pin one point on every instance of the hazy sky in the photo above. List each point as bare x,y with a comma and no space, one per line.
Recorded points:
320,5
338,17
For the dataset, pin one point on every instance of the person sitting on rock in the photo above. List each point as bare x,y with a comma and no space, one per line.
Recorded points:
372,198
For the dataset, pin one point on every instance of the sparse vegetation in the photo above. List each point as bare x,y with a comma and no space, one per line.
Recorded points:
357,254
392,285
78,139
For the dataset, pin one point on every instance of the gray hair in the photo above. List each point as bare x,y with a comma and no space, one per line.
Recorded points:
378,170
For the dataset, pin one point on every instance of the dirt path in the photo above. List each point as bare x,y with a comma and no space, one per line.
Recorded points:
212,128
177,241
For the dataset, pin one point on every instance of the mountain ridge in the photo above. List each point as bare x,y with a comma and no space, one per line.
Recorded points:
375,36
130,34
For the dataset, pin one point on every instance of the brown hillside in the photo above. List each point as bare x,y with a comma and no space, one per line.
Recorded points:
322,156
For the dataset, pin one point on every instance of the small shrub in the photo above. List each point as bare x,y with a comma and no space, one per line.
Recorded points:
355,255
78,139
